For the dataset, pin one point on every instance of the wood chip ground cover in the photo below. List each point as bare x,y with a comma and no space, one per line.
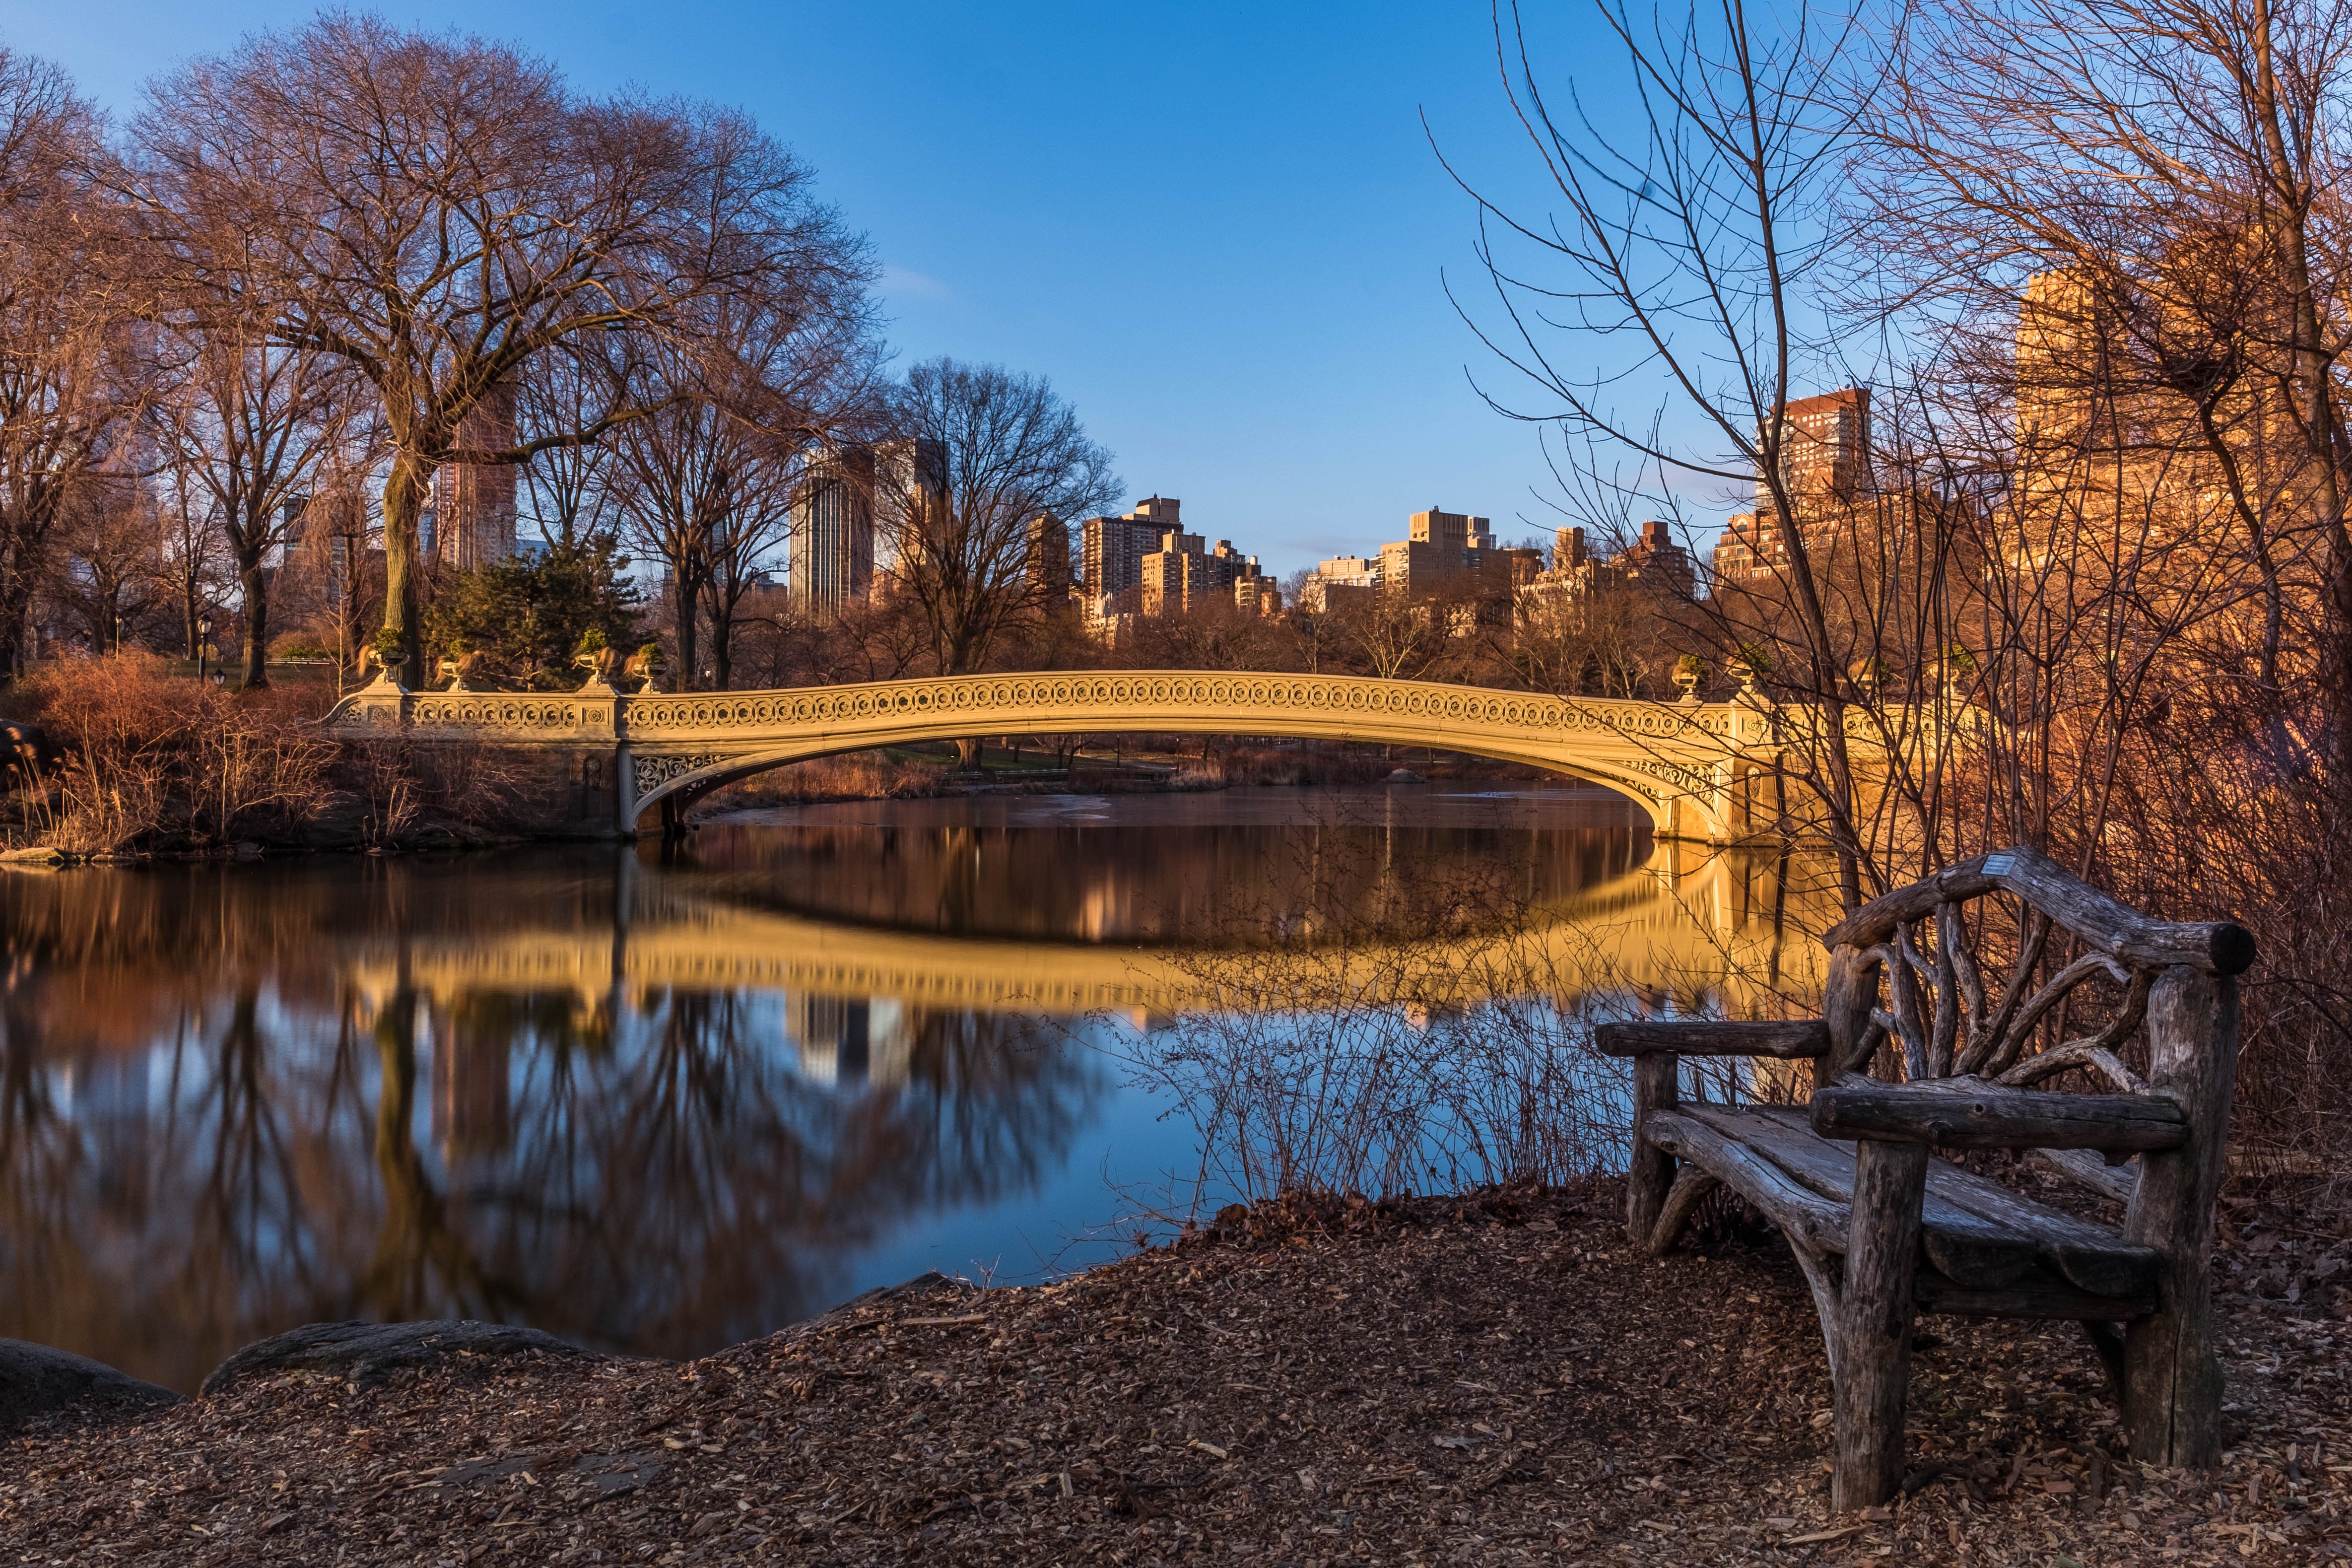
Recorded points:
1495,1379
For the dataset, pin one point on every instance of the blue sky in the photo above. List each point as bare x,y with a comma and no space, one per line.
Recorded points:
1217,228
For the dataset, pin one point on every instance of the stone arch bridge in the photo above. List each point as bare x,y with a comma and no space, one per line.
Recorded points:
1694,767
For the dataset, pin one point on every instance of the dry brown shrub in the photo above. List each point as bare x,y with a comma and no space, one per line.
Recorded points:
400,787
150,757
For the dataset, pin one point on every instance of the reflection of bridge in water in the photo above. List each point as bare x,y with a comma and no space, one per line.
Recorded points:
1692,921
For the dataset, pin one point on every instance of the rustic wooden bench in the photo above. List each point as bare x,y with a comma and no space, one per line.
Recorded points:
1883,1231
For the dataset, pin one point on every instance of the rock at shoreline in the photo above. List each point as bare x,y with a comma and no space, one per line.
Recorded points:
370,1353
38,1381
1405,776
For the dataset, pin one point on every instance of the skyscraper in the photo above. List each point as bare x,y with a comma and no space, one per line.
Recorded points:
1046,557
829,562
1438,545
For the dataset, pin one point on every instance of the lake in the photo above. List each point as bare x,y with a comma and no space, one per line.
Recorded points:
657,1099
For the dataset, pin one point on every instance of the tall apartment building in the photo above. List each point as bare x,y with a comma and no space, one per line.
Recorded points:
1656,560
1824,448
1182,576
1654,563
855,506
829,561
1112,548
1045,558
1750,548
1439,545
1824,464
474,504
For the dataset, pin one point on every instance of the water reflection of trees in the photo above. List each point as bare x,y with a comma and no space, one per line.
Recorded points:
229,1104
651,1173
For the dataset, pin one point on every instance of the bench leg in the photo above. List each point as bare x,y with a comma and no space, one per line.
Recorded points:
2172,1381
1877,1310
1656,1075
1691,1184
1822,1279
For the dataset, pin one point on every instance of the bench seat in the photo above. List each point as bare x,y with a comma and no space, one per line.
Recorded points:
1986,1249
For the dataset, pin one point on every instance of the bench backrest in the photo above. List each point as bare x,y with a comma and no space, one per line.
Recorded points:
1912,945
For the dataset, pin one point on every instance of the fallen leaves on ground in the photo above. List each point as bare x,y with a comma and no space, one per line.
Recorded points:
1493,1379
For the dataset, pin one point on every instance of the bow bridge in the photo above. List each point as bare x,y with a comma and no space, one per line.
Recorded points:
609,757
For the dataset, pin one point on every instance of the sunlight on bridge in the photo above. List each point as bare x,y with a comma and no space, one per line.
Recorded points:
1692,767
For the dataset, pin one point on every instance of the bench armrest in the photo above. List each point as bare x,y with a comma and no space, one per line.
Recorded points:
1970,1113
1716,1038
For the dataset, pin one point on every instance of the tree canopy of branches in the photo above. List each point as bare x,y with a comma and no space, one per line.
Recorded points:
2151,185
437,211
250,427
1690,243
706,480
976,455
71,364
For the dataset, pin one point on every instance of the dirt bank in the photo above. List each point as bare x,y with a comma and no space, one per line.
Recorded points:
1494,1380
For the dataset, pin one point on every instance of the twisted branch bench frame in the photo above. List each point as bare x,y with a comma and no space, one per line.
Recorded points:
1883,1232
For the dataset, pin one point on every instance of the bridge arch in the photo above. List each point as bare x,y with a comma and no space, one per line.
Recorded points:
1685,765
690,784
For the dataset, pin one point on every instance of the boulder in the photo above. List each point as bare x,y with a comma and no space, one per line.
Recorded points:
36,1381
367,1353
1406,776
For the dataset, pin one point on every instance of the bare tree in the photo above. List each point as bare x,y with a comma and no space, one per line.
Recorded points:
977,456
71,369
109,572
1692,245
705,483
196,564
1391,633
2155,182
251,426
568,490
439,211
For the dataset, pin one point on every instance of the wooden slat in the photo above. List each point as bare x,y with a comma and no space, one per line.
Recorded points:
2087,1168
1960,1243
2091,1256
1969,1114
1716,1038
1812,1222
2217,947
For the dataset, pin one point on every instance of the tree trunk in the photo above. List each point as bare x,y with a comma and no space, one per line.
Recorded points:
683,595
967,754
404,500
255,583
722,639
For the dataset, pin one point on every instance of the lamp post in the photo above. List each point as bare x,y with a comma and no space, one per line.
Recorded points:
204,638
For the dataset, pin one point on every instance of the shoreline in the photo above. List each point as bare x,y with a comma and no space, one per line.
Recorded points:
456,837
1494,1377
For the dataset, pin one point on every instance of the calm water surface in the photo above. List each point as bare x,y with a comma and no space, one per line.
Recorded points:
660,1101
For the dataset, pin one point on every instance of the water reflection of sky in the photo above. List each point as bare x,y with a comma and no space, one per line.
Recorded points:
235,1099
